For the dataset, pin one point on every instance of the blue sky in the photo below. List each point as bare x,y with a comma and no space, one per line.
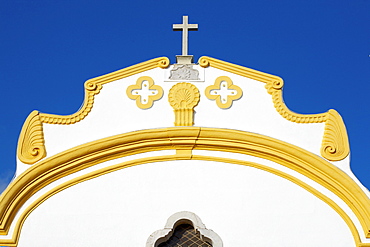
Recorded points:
321,49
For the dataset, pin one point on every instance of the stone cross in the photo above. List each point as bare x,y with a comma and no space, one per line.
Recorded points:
185,27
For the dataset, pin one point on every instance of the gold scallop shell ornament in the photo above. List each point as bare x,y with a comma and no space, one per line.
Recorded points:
183,97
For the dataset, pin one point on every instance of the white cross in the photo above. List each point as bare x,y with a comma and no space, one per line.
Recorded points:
224,92
185,27
144,92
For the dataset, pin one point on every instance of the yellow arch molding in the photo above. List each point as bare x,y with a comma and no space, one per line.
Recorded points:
183,140
31,151
335,144
102,171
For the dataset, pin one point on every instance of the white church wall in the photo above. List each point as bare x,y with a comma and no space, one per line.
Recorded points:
245,206
245,203
114,113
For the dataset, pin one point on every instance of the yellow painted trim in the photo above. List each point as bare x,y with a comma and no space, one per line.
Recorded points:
113,168
138,86
31,146
335,144
93,86
217,86
183,97
183,138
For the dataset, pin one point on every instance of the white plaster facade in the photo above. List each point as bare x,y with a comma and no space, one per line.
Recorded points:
245,204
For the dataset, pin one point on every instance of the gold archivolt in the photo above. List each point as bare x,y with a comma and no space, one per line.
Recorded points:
183,140
334,147
113,168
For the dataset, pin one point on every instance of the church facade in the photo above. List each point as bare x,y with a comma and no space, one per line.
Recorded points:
184,154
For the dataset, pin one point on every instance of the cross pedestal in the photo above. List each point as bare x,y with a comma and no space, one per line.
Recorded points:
181,59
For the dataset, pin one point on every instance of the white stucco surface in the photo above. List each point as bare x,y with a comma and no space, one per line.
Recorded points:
243,205
114,113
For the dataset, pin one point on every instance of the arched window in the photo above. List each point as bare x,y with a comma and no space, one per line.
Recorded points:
185,235
184,229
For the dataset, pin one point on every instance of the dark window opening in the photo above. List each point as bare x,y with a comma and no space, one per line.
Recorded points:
185,236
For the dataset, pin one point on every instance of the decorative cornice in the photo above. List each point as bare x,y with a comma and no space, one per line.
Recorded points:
335,131
224,140
31,146
183,97
335,144
274,84
92,88
275,89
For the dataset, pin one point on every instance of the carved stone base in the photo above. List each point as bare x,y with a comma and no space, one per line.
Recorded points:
184,72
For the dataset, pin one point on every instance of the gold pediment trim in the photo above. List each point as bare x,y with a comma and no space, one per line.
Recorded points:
179,138
335,145
31,148
94,85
